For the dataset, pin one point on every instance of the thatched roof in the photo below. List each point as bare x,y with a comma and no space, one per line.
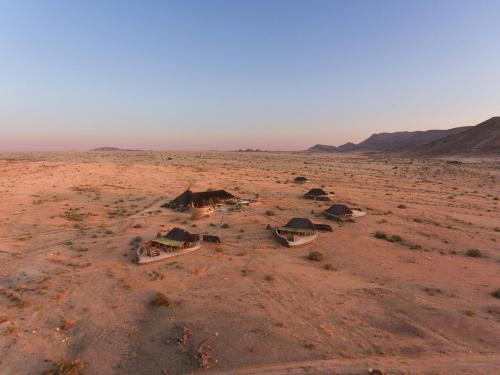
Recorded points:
316,192
179,234
339,210
300,223
201,199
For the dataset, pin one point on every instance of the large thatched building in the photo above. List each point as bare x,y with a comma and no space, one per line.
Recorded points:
190,199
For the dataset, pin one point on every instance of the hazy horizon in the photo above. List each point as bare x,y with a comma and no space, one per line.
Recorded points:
277,75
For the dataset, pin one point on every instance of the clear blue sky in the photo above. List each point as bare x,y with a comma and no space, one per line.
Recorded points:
205,74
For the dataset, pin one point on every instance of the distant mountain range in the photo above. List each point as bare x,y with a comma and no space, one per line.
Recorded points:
106,148
480,139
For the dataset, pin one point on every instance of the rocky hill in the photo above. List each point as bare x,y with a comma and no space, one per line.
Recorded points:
482,139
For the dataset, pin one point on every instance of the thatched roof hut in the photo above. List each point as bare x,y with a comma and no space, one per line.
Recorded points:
200,199
300,179
300,223
339,209
318,194
177,241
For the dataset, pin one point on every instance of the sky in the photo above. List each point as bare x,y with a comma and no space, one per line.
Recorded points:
268,74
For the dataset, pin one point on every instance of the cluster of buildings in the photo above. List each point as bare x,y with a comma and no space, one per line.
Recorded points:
298,231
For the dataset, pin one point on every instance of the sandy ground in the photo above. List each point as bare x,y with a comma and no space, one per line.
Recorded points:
414,304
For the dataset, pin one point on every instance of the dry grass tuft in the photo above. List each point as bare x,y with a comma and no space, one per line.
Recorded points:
66,367
315,256
160,300
66,324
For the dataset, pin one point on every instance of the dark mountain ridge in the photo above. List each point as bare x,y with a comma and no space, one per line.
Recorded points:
480,139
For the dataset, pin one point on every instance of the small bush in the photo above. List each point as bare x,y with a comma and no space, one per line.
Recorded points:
225,225
402,206
66,324
269,278
160,300
395,238
66,367
330,267
134,242
315,256
474,253
496,293
380,235
269,213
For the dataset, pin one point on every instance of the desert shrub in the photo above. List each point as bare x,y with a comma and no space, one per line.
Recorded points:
269,213
395,238
380,235
66,324
469,313
66,367
496,293
269,278
315,256
134,242
401,206
474,253
160,300
136,226
330,267
225,225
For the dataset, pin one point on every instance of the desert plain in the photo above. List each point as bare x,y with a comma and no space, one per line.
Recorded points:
407,289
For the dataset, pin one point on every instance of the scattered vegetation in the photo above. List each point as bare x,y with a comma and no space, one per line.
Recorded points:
315,256
402,206
66,367
496,293
66,324
432,291
330,266
156,275
160,300
474,253
135,242
269,213
384,236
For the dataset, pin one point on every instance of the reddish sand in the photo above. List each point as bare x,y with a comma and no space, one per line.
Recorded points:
414,304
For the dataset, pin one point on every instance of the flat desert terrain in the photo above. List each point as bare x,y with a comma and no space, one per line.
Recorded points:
408,288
